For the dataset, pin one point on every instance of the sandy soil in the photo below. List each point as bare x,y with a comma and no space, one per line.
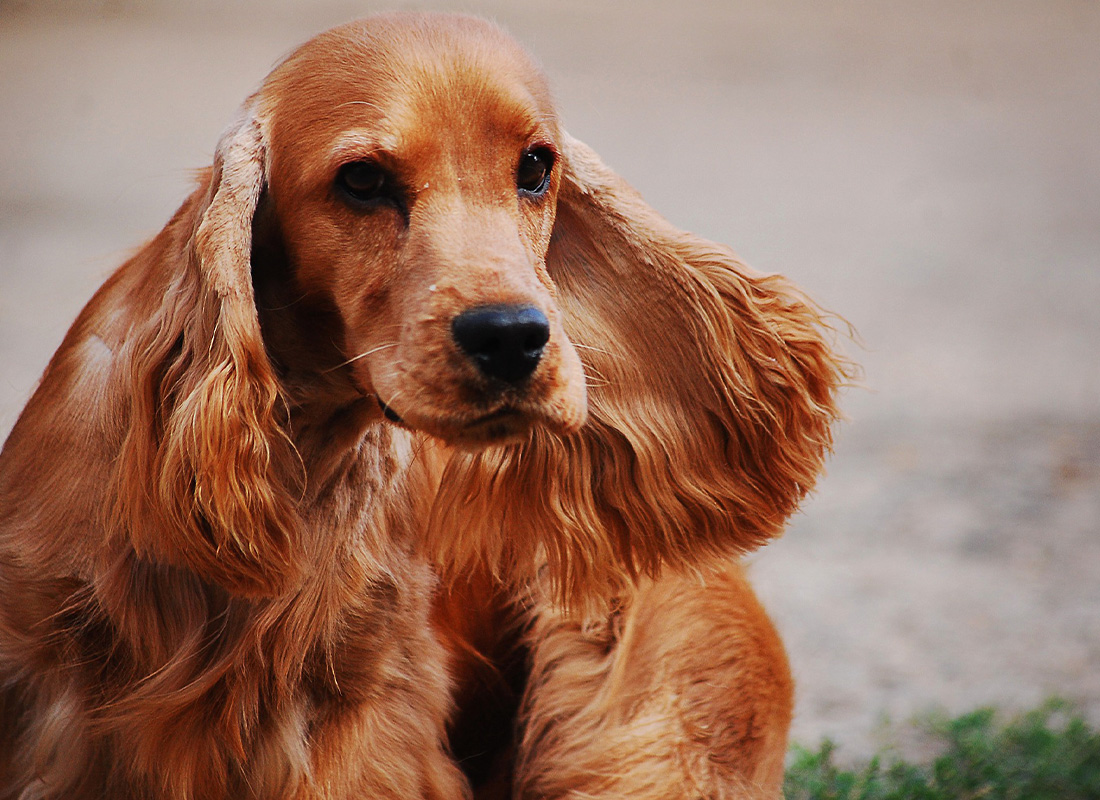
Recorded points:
929,169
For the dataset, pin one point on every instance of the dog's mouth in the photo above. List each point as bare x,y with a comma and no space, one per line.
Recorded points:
500,425
389,413
471,411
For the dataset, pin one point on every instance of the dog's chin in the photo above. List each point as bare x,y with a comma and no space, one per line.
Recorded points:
500,428
504,426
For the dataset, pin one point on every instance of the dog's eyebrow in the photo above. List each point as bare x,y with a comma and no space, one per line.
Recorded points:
363,143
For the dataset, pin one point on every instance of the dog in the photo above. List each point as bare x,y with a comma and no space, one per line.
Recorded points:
409,460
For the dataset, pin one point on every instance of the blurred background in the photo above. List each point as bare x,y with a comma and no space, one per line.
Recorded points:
928,169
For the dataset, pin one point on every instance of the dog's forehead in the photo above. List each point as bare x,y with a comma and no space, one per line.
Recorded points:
400,66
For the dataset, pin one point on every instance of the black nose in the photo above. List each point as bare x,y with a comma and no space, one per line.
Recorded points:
504,341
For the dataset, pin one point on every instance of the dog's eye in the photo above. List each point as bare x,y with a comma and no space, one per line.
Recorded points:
533,174
365,182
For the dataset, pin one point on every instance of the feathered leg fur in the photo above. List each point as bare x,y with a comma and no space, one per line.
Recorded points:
681,690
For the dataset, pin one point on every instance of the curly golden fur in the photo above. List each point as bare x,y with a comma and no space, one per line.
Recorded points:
286,519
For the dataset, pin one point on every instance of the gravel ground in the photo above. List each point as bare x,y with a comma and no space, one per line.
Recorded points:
930,170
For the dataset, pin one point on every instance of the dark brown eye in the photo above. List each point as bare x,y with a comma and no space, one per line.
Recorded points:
533,173
365,182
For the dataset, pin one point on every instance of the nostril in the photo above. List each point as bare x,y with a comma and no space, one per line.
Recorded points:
505,342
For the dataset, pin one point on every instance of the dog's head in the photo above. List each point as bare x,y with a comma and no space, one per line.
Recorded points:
398,224
413,167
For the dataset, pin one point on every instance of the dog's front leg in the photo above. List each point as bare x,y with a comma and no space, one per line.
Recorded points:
681,690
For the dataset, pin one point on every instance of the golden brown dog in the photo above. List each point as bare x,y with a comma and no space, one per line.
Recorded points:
406,328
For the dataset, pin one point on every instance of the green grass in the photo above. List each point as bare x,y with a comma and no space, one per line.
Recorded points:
1047,754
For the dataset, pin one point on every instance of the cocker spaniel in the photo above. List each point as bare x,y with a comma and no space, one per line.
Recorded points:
409,460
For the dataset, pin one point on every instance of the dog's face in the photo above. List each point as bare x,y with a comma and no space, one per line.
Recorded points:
415,180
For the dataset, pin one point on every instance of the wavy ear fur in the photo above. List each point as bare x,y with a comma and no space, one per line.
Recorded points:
200,479
711,403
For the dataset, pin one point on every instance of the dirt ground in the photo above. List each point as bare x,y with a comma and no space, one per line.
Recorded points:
930,170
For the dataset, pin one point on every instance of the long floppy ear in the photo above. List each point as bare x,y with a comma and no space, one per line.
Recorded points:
711,402
203,473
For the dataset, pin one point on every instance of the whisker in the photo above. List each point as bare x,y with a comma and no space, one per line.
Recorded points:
290,304
590,370
594,349
353,359
392,400
418,446
360,103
